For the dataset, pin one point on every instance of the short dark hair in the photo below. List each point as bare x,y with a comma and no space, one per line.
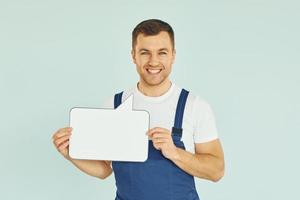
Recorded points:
152,27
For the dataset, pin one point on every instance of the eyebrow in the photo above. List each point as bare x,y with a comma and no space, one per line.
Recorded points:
161,49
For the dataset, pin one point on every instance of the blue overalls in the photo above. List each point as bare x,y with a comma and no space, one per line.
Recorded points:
157,178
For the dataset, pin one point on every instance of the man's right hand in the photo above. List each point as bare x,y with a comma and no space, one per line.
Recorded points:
96,168
61,141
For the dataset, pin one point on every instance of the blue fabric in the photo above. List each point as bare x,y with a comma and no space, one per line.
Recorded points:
180,109
157,178
118,99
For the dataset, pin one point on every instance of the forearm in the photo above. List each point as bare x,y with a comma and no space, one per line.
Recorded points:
95,168
205,166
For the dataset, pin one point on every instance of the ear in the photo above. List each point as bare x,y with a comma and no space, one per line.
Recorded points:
133,56
173,55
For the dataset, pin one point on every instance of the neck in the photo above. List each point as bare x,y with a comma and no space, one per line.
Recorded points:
154,90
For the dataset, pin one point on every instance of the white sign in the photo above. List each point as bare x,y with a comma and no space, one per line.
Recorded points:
108,134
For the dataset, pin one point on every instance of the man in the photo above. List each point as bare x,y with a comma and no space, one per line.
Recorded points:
183,140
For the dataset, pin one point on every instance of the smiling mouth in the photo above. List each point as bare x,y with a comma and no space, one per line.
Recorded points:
154,71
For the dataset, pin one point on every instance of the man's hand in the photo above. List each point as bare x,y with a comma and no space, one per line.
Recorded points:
162,140
96,168
61,141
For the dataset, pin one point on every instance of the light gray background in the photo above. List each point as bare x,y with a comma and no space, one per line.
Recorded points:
241,56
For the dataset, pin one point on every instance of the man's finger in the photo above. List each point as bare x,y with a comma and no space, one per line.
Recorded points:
61,133
160,140
158,146
161,135
63,145
156,130
64,129
159,129
59,141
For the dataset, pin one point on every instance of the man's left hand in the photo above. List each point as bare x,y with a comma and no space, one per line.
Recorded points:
162,140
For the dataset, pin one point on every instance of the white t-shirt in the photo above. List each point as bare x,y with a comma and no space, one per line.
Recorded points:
198,120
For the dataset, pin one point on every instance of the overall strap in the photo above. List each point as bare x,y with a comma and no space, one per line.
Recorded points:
118,99
177,128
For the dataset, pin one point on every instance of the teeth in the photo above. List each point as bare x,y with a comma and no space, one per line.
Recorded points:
153,71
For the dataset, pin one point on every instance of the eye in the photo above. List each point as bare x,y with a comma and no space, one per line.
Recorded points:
144,53
162,53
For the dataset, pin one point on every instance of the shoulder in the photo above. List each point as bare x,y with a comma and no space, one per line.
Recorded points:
201,108
197,108
199,103
195,101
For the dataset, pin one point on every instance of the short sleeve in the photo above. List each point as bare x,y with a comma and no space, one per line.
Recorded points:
205,129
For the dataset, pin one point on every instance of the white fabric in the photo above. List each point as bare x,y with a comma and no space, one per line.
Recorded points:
198,120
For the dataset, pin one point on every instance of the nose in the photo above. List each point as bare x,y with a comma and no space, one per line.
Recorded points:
153,61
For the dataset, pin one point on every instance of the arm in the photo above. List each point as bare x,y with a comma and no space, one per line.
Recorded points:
207,162
97,168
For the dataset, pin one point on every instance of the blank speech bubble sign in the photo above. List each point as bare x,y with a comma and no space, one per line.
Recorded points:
108,134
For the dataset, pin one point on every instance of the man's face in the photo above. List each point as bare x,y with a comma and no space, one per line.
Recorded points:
153,56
